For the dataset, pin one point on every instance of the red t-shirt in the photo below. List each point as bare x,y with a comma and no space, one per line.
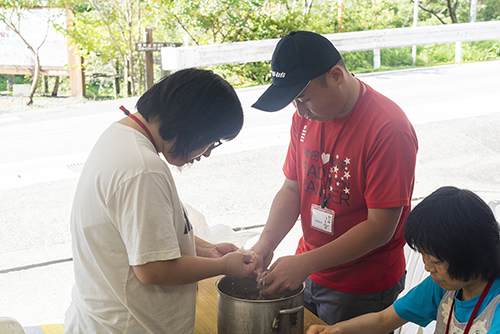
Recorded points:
370,155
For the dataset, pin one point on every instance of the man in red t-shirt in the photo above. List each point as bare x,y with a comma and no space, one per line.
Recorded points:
349,175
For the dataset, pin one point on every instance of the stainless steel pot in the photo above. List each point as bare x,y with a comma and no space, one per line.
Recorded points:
239,313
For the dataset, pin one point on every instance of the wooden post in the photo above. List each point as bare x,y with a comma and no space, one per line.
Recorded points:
56,86
76,74
10,81
149,60
45,84
116,81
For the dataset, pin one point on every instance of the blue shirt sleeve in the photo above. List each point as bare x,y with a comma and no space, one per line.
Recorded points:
420,304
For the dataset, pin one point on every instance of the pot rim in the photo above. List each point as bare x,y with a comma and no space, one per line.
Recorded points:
219,292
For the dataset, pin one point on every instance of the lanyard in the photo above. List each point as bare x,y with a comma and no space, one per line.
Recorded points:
122,108
473,315
326,178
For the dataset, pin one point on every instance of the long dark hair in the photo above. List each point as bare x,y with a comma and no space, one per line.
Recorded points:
194,108
456,226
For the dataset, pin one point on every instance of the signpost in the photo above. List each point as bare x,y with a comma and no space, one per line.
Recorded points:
154,46
148,47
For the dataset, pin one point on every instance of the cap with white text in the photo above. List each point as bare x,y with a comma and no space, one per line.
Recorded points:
298,58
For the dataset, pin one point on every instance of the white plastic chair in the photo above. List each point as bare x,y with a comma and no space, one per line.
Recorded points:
495,207
415,273
415,269
10,326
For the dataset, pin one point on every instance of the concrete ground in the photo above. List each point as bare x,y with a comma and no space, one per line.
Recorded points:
454,110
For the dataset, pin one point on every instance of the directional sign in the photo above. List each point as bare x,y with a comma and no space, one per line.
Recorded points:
154,46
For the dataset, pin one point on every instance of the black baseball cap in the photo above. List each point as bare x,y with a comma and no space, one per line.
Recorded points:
298,58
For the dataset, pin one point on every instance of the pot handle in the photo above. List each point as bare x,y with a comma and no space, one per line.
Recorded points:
294,311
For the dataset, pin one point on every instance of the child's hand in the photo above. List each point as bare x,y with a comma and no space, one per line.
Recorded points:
238,265
215,251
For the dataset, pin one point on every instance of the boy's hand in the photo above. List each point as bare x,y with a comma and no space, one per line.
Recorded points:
238,265
215,251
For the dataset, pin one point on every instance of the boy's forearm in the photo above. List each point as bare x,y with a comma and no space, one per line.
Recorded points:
184,270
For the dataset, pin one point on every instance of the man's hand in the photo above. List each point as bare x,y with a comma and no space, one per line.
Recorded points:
264,255
286,273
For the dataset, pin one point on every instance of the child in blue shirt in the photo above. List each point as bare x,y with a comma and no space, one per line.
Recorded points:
459,239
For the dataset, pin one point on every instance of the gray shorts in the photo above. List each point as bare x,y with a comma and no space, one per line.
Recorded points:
333,306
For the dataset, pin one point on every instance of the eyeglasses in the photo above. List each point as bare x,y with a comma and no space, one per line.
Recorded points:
210,148
214,145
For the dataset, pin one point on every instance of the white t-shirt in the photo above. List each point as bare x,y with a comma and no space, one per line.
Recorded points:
127,212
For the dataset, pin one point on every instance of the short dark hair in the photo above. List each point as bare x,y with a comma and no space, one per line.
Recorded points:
194,108
456,226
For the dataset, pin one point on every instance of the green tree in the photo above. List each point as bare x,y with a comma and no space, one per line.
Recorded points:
208,21
376,15
458,11
488,10
107,30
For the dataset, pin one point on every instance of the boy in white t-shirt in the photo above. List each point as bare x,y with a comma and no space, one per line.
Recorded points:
136,258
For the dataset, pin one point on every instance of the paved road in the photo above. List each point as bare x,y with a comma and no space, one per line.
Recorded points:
454,110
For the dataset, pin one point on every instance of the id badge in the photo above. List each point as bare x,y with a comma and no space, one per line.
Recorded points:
322,219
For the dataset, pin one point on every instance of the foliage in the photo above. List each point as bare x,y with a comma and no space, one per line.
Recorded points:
457,11
64,88
242,75
18,79
488,10
97,87
378,15
359,62
428,55
216,21
101,75
108,29
105,32
482,50
437,53
321,17
396,57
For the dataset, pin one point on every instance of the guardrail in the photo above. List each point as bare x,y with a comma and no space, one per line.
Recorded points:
252,51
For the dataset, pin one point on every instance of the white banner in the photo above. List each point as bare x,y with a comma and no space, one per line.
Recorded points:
35,26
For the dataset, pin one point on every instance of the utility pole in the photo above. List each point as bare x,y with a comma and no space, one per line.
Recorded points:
415,23
340,13
473,10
